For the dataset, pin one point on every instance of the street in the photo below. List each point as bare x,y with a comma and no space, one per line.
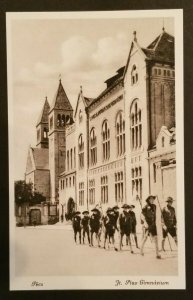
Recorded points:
51,251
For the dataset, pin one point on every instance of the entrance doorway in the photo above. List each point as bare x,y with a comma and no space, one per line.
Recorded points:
35,217
70,209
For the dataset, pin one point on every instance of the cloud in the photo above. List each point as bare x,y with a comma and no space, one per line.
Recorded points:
25,76
82,63
111,51
45,70
77,53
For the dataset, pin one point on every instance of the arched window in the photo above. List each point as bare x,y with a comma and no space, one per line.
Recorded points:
93,147
63,121
81,152
71,158
68,160
80,116
136,126
106,140
59,120
120,134
134,75
163,141
45,133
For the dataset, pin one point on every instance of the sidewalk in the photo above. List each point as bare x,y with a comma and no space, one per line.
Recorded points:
59,225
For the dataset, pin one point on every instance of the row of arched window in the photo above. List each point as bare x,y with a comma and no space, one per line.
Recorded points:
136,137
62,120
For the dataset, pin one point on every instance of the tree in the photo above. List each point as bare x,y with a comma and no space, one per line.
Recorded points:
24,194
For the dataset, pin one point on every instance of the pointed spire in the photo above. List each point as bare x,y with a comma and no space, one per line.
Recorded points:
163,28
43,118
61,100
60,78
135,36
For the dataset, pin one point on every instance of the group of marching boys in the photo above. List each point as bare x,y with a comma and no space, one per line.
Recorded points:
125,223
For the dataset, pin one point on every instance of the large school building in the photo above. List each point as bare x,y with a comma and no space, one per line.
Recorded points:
116,148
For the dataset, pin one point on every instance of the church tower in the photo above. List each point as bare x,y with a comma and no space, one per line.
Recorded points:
42,126
60,115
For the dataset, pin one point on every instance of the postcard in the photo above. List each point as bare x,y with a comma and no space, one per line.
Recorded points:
96,150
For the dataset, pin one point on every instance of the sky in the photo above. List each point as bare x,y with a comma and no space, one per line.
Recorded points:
83,52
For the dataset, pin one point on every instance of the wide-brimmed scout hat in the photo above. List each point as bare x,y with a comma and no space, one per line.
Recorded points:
115,207
149,197
170,199
85,212
125,206
77,213
109,209
95,210
132,206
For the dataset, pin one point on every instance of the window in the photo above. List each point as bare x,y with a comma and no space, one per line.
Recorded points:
80,116
163,141
51,122
134,75
81,152
70,181
71,158
93,147
63,121
136,175
60,120
38,134
119,187
104,189
154,172
81,193
73,180
45,133
106,140
120,134
136,126
92,191
74,157
66,182
68,160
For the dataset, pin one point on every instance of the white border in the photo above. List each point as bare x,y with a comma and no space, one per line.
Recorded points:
106,282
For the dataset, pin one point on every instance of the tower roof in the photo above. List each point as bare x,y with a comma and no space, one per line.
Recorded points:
43,118
161,49
61,100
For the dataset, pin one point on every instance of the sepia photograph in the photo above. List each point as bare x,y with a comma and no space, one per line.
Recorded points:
96,151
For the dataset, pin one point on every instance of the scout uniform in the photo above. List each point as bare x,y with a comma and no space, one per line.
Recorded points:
169,221
149,218
85,225
110,226
125,225
133,223
76,224
95,224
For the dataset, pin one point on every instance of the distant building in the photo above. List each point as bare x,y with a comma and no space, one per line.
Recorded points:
116,148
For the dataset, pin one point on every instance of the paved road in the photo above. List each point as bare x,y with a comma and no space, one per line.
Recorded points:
50,250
